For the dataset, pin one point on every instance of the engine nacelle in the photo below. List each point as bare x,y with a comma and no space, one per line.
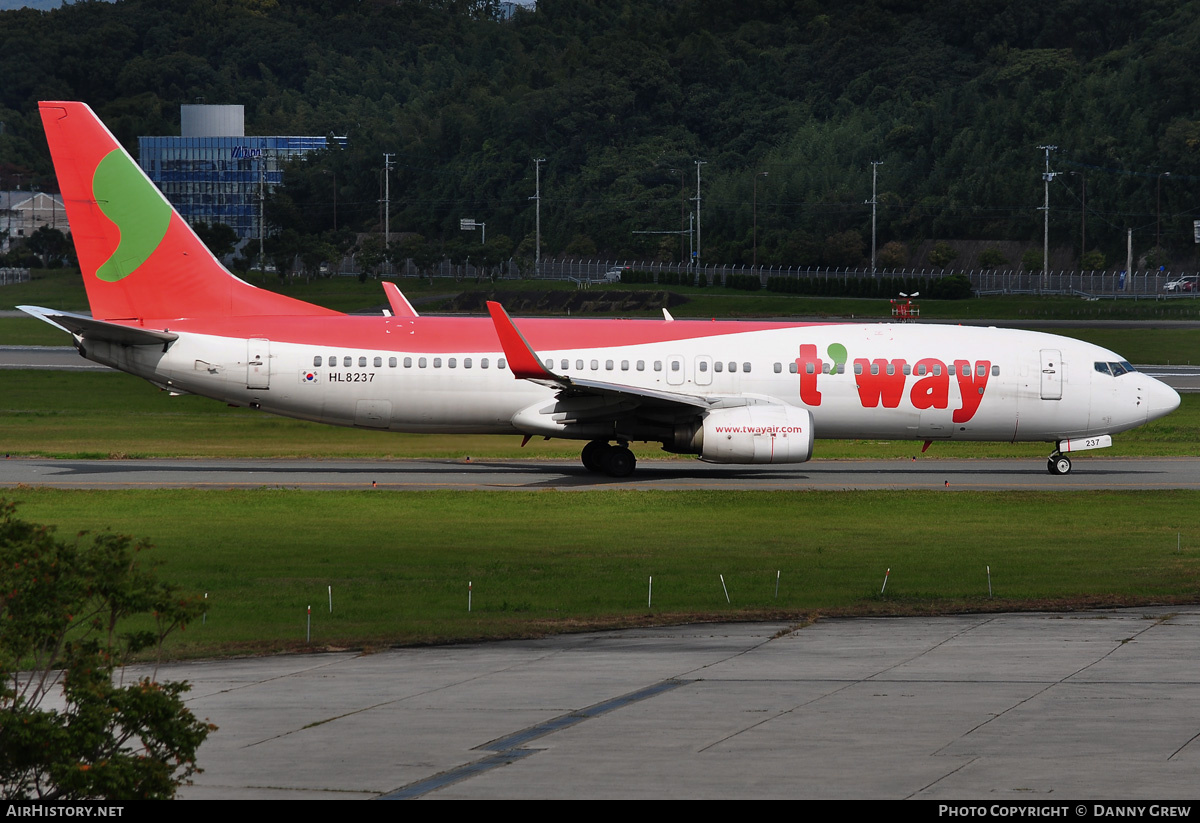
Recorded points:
766,433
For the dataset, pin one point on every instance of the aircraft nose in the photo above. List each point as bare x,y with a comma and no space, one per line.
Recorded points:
1160,400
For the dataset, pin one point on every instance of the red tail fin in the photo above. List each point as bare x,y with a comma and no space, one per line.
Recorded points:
140,259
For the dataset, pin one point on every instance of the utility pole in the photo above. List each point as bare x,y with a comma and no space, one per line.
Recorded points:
875,164
760,174
1046,178
537,197
262,162
387,198
696,253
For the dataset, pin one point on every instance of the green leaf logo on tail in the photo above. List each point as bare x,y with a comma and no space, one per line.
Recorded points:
130,200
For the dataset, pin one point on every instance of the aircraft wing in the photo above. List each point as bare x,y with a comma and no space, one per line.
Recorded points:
612,397
89,328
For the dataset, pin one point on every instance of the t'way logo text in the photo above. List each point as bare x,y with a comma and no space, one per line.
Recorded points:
882,382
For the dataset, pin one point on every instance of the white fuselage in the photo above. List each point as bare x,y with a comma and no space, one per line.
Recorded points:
861,380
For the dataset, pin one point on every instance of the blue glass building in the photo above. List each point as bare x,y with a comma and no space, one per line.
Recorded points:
215,177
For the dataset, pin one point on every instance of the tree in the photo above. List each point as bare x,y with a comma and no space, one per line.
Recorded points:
220,238
942,254
50,244
991,257
67,732
1093,261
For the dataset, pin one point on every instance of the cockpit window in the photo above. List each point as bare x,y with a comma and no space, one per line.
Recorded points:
1115,369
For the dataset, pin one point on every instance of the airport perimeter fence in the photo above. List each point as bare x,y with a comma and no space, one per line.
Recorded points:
9,276
854,281
821,281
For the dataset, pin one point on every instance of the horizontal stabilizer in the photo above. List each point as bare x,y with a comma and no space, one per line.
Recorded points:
88,328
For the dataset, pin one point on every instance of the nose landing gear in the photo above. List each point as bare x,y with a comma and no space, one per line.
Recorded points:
615,461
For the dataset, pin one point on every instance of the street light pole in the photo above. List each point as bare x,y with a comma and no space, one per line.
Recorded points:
875,164
699,163
387,198
755,234
537,196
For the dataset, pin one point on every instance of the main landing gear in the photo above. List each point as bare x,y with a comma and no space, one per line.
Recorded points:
1058,463
615,461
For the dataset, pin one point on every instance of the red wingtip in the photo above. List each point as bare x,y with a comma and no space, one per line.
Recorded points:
521,357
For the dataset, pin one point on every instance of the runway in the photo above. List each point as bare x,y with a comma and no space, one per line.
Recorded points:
1090,473
1010,709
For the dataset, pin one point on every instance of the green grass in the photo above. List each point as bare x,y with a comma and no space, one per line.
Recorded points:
52,288
109,414
1146,346
399,563
28,331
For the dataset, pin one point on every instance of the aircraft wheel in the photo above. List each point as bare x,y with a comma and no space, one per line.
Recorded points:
1058,464
593,455
620,462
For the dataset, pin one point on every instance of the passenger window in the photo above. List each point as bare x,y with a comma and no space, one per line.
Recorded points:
824,368
641,365
549,364
891,368
658,365
378,362
347,361
437,362
452,362
675,365
874,368
732,367
703,367
778,368
841,369
608,365
408,362
907,369
718,366
466,362
981,370
483,362
317,360
921,370
500,363
793,368
995,371
595,365
746,368
937,371
333,360
564,364
624,365
579,365
858,368
362,362
391,362
422,363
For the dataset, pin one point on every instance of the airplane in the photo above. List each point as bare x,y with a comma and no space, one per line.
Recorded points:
738,392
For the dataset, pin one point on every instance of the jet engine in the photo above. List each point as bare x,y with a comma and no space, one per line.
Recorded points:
764,433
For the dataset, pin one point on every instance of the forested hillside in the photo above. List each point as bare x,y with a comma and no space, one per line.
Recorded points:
953,97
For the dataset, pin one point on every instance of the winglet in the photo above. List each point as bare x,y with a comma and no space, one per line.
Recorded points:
399,303
667,315
521,357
